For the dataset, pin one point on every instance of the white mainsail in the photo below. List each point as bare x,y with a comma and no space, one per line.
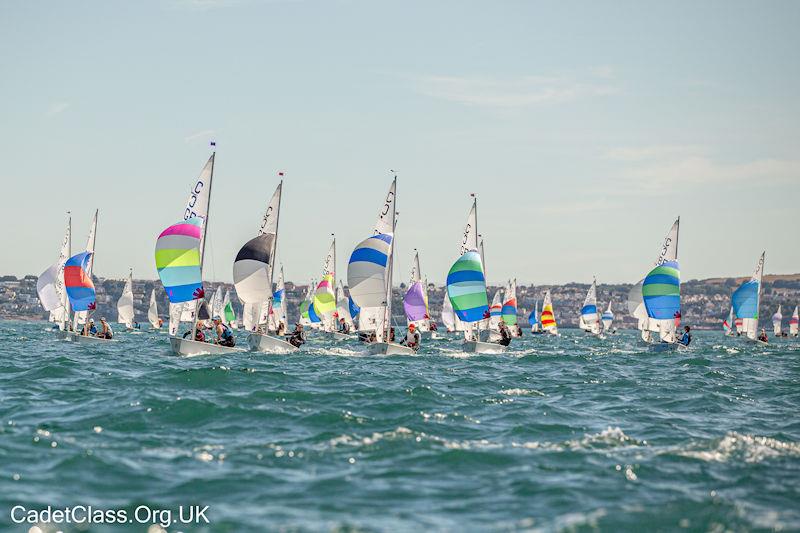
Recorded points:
777,318
125,303
448,315
343,306
794,322
152,311
50,285
750,323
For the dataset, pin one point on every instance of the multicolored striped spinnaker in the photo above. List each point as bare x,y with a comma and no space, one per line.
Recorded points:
325,297
80,289
466,288
661,291
509,310
547,317
178,260
366,271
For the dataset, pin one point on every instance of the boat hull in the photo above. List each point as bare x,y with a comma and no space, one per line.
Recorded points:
389,348
483,347
84,339
667,347
269,344
191,348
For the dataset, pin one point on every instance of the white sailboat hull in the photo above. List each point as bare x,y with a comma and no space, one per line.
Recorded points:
483,347
191,348
84,339
269,344
388,348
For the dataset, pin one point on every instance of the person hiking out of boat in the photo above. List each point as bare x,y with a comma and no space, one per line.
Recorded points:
412,338
687,336
223,332
106,332
298,336
763,336
505,334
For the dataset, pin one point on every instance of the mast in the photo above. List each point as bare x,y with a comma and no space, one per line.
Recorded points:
65,299
199,301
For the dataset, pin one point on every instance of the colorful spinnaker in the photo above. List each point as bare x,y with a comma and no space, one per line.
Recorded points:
548,319
415,300
590,318
533,318
78,282
509,310
746,301
794,322
608,318
466,288
777,318
325,294
178,260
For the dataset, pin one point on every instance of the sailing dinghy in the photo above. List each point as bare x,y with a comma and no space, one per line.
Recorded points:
324,302
533,320
179,255
415,301
548,318
608,319
794,322
746,300
253,271
466,290
369,276
589,320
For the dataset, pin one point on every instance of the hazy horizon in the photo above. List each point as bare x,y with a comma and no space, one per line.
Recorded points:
585,130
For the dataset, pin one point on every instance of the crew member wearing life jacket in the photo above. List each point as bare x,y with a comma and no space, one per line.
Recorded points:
505,334
298,336
687,337
412,338
224,333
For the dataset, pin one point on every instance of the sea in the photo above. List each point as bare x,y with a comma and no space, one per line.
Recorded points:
569,433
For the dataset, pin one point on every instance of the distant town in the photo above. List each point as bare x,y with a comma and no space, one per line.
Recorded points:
704,302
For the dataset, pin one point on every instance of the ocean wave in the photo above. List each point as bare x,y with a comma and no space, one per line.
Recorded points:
748,448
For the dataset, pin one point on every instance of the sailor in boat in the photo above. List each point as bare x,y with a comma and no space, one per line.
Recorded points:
391,334
136,325
343,327
298,336
433,326
519,330
412,338
160,322
505,334
686,338
199,336
89,328
763,336
281,331
106,332
224,333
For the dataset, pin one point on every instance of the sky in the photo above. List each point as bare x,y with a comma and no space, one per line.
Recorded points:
584,128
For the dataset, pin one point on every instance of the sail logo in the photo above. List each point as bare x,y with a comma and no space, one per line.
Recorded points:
198,188
466,237
664,249
265,220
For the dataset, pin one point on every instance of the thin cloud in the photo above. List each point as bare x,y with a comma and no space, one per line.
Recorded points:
57,108
198,135
658,169
518,92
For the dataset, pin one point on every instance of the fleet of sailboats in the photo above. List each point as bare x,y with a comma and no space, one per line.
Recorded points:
66,291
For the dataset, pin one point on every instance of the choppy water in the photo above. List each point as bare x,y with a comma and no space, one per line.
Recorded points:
558,434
